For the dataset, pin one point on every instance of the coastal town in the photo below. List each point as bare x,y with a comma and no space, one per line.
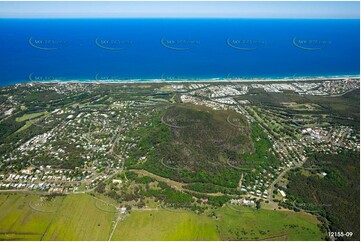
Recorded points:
83,141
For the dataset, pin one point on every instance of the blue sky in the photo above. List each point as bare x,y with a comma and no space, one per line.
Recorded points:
257,9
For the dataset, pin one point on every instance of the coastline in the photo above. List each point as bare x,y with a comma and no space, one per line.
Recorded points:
200,80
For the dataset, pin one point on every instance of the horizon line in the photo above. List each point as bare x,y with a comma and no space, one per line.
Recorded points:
185,17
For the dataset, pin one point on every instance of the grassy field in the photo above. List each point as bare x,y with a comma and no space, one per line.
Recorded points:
72,217
27,125
166,225
232,225
30,116
80,220
18,221
76,217
266,225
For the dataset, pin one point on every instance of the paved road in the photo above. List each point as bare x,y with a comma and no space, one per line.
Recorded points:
270,195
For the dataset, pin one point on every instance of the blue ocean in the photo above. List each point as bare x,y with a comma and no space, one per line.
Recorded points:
173,49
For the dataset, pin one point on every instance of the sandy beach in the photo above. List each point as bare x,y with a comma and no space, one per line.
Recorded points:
210,80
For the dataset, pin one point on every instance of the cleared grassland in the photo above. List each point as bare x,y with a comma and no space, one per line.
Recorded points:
266,224
166,225
72,217
76,217
18,221
79,219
